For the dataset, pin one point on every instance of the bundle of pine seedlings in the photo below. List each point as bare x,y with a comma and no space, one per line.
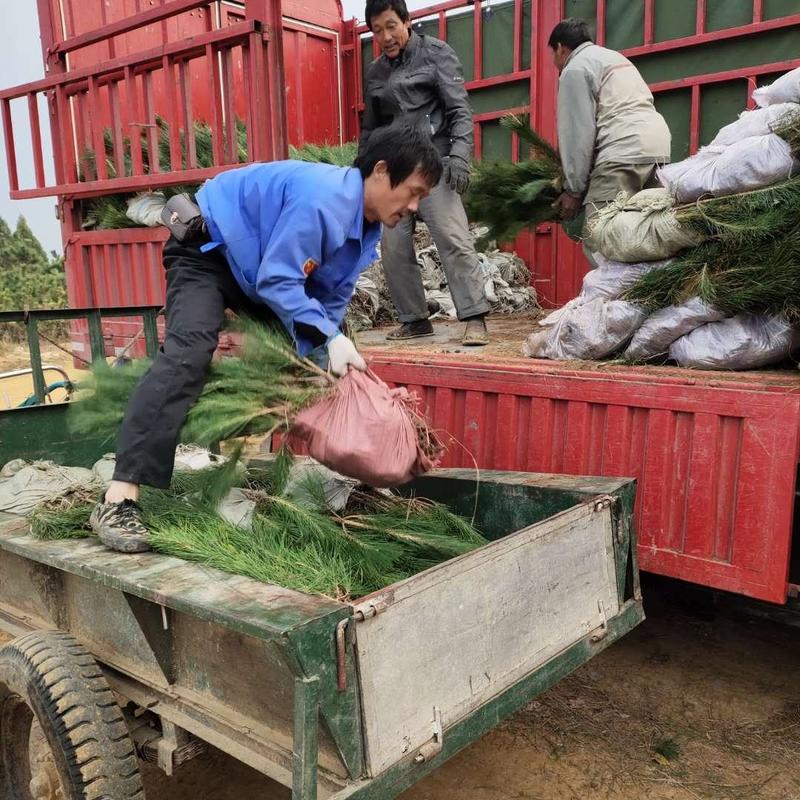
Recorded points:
507,196
751,261
257,393
109,212
342,155
377,540
750,264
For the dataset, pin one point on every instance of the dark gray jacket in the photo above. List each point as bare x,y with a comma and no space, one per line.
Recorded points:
425,82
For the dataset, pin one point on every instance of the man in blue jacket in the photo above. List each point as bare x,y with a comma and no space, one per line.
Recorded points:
283,240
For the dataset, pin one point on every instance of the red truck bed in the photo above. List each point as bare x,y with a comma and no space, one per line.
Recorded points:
715,454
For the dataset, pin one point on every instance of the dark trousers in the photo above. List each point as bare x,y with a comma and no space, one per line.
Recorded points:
200,286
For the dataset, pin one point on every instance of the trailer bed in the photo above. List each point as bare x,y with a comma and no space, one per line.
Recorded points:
348,700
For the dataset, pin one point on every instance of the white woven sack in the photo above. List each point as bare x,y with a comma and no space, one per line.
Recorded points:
750,163
666,325
785,89
758,122
145,208
592,331
640,228
746,341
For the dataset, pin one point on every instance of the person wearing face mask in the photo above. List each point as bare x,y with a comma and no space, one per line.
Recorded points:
419,78
282,241
610,136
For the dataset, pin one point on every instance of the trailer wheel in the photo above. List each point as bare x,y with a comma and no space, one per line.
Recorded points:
62,734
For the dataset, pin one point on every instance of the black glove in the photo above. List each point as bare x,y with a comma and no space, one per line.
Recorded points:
456,173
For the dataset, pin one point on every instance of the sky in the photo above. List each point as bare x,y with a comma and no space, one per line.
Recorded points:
21,62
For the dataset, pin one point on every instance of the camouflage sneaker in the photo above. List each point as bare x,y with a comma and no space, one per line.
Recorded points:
119,526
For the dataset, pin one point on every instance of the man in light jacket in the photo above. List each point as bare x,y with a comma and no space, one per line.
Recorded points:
283,242
419,78
610,136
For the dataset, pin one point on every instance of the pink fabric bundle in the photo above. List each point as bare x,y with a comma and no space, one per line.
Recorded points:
365,430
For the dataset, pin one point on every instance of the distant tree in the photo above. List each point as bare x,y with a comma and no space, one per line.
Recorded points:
29,277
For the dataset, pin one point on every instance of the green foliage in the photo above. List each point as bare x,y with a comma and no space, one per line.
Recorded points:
537,144
751,263
257,393
109,212
29,277
788,128
507,196
340,155
64,523
308,549
668,749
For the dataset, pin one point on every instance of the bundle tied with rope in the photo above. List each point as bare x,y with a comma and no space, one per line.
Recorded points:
367,430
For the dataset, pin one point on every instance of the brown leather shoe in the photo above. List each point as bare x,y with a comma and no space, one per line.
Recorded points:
475,334
411,330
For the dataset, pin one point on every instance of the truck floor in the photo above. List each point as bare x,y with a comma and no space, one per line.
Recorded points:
508,332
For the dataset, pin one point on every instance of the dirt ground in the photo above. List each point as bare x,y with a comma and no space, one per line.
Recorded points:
695,704
14,391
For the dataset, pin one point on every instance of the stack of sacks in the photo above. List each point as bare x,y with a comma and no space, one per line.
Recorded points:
597,323
639,234
506,282
743,156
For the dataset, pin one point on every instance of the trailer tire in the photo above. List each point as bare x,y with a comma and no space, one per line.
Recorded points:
52,688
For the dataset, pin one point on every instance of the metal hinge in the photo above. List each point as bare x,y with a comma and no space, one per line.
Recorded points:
341,656
604,501
434,745
601,632
372,610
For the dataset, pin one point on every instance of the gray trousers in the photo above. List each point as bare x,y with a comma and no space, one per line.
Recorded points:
443,213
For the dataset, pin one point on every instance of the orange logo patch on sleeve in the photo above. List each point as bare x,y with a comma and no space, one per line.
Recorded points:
309,266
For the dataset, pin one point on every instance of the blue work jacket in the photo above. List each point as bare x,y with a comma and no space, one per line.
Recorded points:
295,238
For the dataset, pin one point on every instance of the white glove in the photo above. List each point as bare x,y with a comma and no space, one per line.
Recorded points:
341,354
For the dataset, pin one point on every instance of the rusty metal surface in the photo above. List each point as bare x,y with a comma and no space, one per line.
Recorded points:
258,609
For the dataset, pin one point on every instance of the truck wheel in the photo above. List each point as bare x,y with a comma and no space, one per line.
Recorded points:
62,734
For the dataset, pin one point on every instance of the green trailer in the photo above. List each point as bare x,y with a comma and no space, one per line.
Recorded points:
116,658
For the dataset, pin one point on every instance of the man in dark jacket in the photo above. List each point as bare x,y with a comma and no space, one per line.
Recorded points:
420,79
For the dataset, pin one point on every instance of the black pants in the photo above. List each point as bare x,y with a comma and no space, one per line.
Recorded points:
200,286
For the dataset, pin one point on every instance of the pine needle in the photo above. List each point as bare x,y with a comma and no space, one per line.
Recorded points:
64,523
340,155
751,264
788,128
538,145
506,196
257,393
308,549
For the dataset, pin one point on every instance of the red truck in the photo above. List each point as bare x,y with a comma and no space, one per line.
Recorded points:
715,455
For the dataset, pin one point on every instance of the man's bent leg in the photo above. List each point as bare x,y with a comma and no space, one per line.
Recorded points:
443,213
403,276
196,289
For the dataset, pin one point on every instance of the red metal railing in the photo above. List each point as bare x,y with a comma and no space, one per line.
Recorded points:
128,123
